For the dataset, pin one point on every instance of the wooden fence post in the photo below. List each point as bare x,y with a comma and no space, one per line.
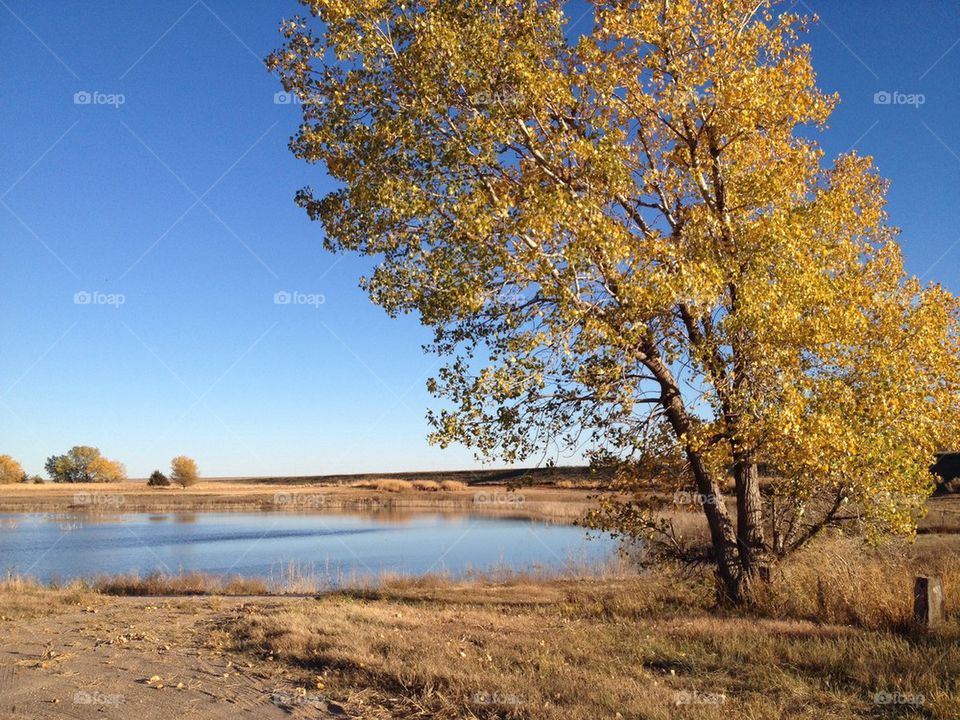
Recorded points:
928,602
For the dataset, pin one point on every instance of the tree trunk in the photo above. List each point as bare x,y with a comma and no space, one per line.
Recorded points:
754,553
723,537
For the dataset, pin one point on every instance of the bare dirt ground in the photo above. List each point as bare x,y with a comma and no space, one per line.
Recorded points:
142,658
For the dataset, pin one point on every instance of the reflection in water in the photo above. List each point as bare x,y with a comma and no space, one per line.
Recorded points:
81,518
288,545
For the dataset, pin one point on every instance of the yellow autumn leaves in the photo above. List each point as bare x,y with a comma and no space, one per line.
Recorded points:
647,191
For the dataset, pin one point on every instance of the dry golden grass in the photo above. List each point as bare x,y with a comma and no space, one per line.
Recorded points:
22,598
395,486
428,485
580,484
450,650
306,579
385,485
185,584
653,647
842,581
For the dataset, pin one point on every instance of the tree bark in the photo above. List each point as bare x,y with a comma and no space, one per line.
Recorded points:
755,558
722,536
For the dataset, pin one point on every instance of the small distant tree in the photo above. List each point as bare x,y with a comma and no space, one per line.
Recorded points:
84,464
10,470
183,470
102,469
158,479
33,479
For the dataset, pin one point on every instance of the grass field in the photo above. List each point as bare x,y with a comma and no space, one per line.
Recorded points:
630,648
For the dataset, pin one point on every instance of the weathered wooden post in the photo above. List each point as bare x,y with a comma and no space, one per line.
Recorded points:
928,602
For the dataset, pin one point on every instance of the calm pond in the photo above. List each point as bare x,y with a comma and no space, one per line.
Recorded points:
332,548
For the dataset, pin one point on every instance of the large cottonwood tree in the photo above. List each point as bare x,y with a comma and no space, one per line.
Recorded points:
628,236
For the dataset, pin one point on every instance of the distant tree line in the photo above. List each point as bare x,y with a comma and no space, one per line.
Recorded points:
85,464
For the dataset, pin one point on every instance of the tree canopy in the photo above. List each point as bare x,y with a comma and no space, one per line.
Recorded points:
630,241
183,471
10,470
84,464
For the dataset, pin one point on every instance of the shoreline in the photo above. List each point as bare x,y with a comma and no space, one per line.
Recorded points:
561,505
547,503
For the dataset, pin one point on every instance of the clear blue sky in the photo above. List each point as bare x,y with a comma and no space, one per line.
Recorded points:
180,199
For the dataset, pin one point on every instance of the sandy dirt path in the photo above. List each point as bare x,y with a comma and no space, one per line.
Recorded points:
98,662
